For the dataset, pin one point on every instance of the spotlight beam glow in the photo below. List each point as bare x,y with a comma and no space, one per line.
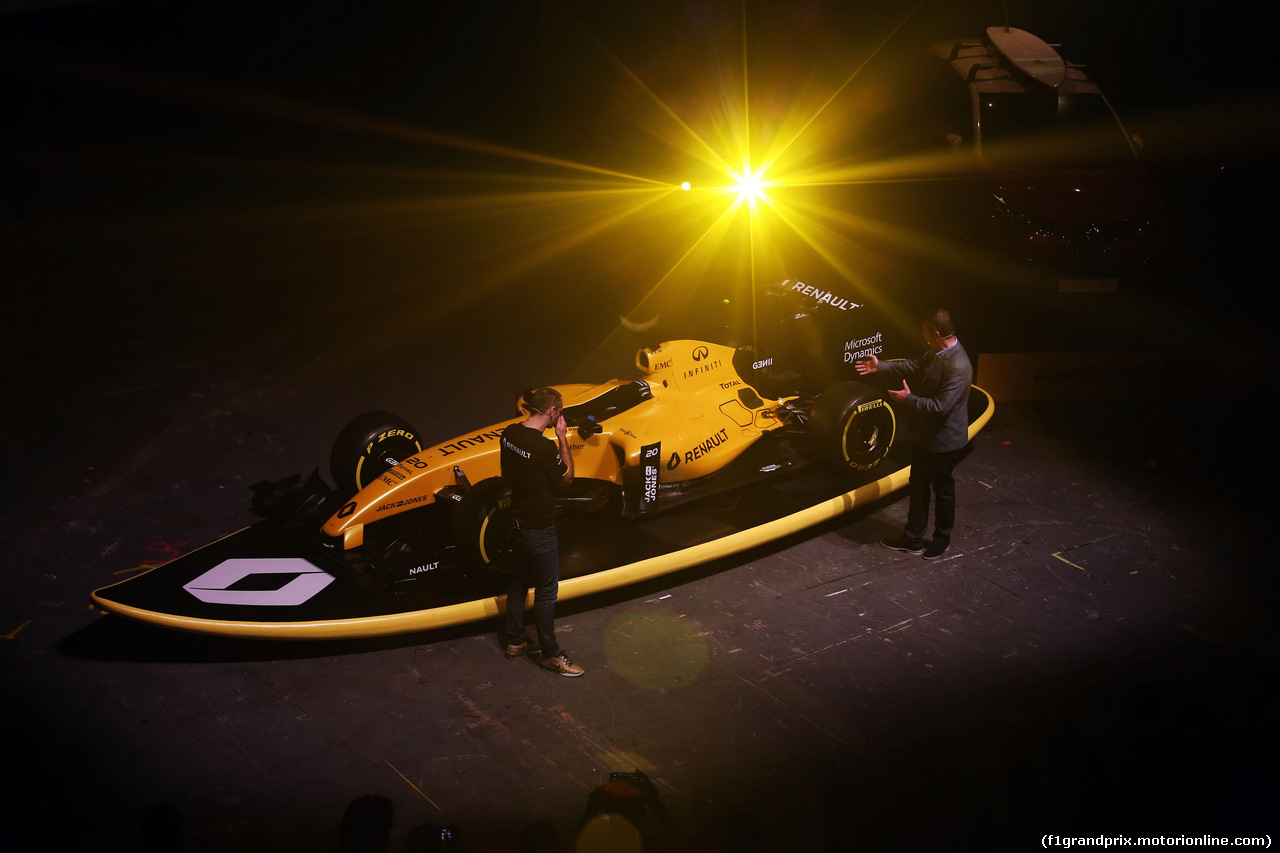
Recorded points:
836,92
702,149
716,229
760,209
224,98
749,186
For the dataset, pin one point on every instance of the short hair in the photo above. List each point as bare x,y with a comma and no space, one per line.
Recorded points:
544,400
939,319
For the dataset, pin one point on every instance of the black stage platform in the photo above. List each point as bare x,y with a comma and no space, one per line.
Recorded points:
1090,658
204,308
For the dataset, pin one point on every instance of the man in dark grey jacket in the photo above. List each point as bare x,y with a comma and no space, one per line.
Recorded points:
939,405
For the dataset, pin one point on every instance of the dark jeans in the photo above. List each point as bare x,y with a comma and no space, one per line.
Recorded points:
541,570
932,478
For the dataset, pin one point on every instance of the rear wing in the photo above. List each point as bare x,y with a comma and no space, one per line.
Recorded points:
810,336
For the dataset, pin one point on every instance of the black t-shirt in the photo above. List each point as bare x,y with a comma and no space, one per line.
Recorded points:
532,466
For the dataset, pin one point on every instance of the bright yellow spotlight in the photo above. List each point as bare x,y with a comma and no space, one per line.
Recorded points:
749,186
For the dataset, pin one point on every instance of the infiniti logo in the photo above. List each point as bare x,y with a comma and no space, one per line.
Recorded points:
699,353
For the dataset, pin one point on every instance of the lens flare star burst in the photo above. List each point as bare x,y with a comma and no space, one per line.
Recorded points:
750,187
692,169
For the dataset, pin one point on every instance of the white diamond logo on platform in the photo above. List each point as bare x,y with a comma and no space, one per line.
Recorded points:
214,586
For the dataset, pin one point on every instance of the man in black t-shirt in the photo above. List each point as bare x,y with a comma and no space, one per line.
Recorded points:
534,467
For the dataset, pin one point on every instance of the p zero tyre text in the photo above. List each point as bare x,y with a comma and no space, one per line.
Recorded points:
368,446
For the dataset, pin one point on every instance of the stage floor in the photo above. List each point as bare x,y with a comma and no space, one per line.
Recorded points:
1091,657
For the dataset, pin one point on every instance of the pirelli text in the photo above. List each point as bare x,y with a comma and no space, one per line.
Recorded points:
1048,841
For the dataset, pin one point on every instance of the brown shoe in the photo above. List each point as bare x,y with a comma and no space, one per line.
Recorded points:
560,663
524,647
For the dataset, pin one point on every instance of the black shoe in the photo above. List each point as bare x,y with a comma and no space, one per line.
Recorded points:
936,550
903,544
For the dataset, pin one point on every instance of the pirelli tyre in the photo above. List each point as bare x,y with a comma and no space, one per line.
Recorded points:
368,446
484,529
851,427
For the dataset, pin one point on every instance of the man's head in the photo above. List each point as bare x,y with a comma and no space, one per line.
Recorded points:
546,401
936,327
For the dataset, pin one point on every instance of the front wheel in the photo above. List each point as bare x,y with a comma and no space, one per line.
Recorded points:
484,529
368,446
851,427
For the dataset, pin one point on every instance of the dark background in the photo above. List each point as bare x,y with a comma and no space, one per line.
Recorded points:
360,183
228,227
243,165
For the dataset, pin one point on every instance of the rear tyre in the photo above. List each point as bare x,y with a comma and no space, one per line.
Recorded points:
368,446
851,428
484,529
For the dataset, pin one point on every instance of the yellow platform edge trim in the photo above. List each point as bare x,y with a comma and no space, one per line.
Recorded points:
486,608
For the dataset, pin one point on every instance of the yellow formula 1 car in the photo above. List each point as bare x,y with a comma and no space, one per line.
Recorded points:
702,418
713,448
